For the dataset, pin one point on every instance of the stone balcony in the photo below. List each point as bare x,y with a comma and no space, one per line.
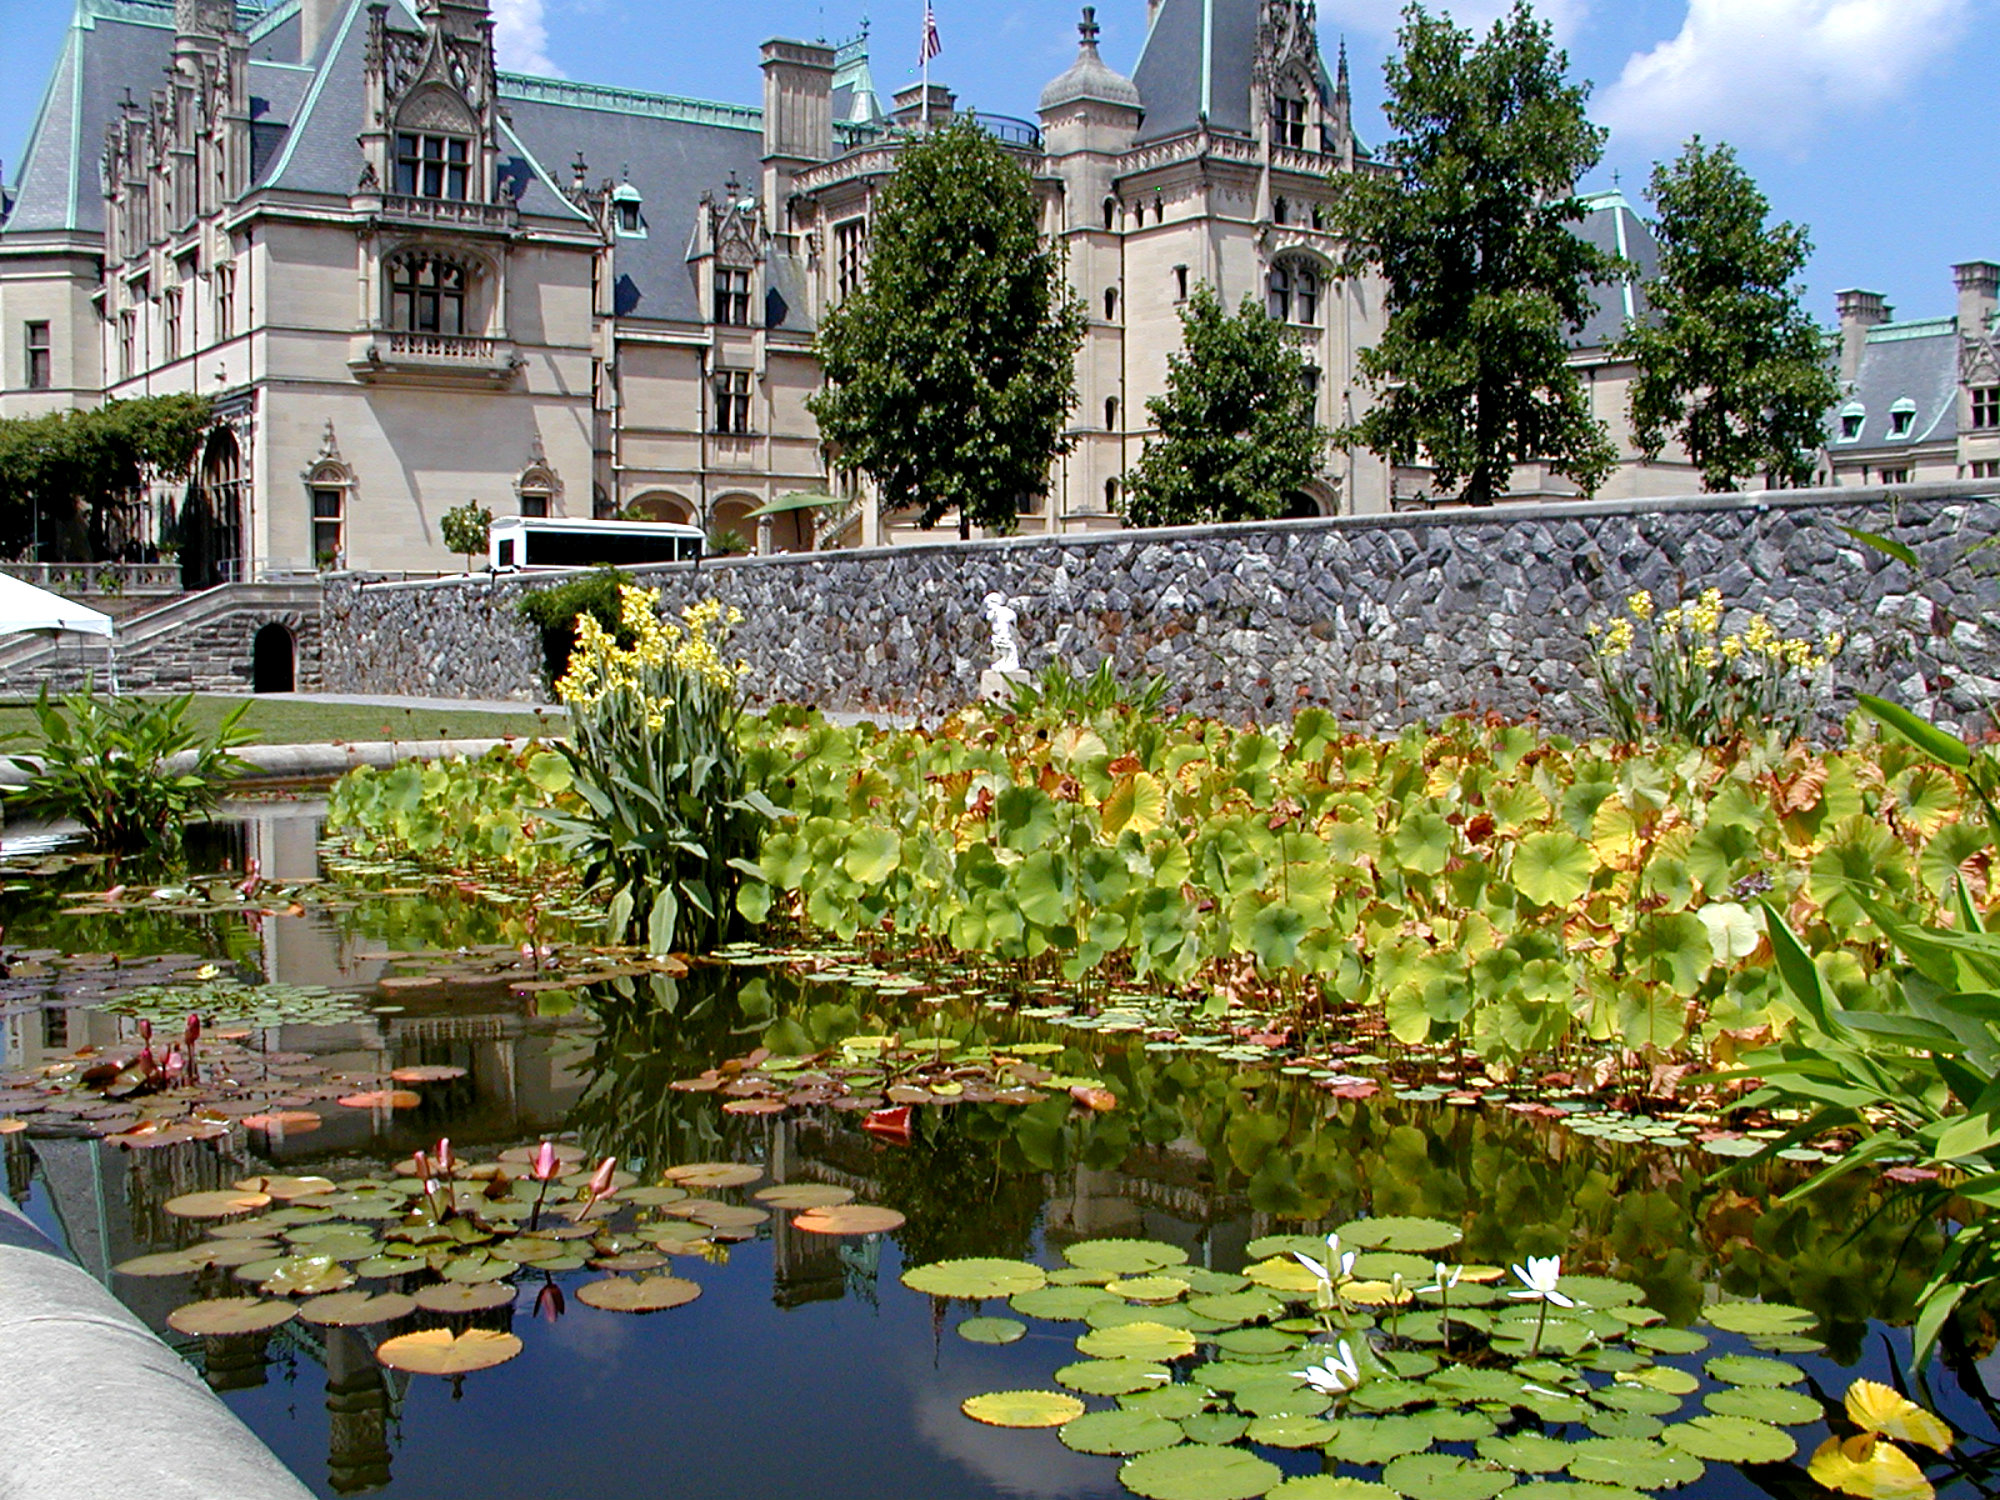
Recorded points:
388,356
449,213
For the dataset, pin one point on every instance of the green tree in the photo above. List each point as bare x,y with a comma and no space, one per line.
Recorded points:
70,482
951,371
1730,364
467,529
1236,421
1471,229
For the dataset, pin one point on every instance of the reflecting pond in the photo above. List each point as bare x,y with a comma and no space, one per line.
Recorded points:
804,1365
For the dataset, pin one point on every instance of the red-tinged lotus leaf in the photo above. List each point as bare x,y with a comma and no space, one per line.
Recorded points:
428,1073
438,1351
382,1099
283,1122
848,1218
1098,1101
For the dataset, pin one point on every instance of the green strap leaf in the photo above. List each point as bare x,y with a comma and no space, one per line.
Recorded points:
1946,748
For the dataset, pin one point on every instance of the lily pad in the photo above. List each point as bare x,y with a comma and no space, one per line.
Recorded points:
1148,1288
226,1315
1378,1440
438,1351
1060,1303
1731,1440
1112,1377
1174,1402
1441,1476
1022,1408
287,1189
1121,1432
793,1195
1527,1452
1667,1340
461,1297
1199,1472
714,1174
1236,1307
992,1330
848,1218
1866,1466
1758,1318
356,1309
1219,1427
1764,1403
1752,1369
1143,1340
166,1263
1635,1463
219,1204
638,1294
975,1279
1331,1487
306,1276
1399,1233
1290,1432
1124,1257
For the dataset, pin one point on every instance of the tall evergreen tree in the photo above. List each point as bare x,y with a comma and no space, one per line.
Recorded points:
1236,421
1471,229
1730,364
951,372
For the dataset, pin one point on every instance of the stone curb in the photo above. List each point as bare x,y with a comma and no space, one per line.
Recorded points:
111,1409
281,763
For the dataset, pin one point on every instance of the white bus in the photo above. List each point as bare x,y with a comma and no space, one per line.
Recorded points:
520,543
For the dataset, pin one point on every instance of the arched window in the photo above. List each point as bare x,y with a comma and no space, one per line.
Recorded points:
1111,413
1278,292
1288,120
1280,209
1110,303
1293,292
427,294
1110,213
1111,494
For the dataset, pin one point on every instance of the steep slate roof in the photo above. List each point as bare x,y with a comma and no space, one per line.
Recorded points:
1613,227
1915,361
1196,63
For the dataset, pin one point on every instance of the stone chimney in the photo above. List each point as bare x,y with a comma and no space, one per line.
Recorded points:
1978,294
909,103
316,18
1859,311
798,114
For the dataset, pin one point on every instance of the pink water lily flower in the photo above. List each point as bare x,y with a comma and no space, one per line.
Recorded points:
546,1163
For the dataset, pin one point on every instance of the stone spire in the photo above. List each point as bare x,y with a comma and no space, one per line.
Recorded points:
1089,79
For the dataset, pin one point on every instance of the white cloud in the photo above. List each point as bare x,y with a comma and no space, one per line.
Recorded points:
521,38
1769,72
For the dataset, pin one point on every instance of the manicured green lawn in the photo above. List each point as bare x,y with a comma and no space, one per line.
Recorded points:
282,722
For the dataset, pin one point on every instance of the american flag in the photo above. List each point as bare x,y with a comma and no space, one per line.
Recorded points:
931,47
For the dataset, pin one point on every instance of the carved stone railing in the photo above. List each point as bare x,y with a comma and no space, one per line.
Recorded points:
387,354
103,580
449,211
440,346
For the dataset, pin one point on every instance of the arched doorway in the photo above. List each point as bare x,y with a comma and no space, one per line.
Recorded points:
660,505
273,660
212,516
730,528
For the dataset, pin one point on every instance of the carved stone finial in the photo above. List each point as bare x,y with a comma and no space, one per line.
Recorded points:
329,445
1088,28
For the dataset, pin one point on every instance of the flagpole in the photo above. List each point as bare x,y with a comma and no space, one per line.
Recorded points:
926,50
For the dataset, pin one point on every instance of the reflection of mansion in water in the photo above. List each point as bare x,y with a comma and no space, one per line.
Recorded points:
409,280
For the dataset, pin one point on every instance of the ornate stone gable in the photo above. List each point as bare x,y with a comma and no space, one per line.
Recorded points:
1288,46
1978,360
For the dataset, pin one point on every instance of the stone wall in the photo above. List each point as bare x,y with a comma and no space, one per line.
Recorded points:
198,643
1386,619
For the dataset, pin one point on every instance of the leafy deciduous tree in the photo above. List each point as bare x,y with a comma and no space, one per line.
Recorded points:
70,481
1471,230
466,529
1236,421
950,372
1731,363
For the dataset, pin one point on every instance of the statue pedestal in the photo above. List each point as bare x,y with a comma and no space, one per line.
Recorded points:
997,686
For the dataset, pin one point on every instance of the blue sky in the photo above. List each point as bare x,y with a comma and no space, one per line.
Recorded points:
1860,118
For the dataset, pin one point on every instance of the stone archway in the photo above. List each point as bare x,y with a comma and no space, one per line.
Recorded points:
274,660
730,517
660,505
212,523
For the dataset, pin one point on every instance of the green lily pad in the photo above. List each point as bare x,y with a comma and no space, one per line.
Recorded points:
1331,1487
1635,1463
1526,1452
1441,1476
1199,1472
992,1330
1462,1383
1380,1265
1369,1441
975,1279
1148,1288
1623,1424
1556,1490
1060,1303
1667,1340
1390,1395
1112,1377
1121,1432
1124,1257
1290,1432
1668,1378
1281,1395
305,1276
1394,1233
1789,1343
1116,1314
1236,1307
1205,1282
1764,1403
357,1309
1628,1397
1267,1245
1752,1369
1758,1318
1601,1291
1256,1341
227,1315
1174,1402
1022,1408
1732,1440
1215,1426
1142,1340
1462,1425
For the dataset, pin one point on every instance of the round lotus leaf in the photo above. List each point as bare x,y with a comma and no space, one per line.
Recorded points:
1112,1377
1440,1476
1117,1314
306,1276
1464,1425
356,1309
1518,1336
1526,1452
1386,1294
1060,1304
1281,1395
1416,1236
1199,1471
227,1315
1411,1364
848,1218
1147,1288
640,1294
992,1330
1256,1341
713,1174
1758,1318
1752,1369
1283,1274
438,1351
1236,1307
1124,1257
458,1297
1601,1291
471,1269
166,1263
798,1195
1231,1374
1612,1360
1331,1487
1636,1463
1666,1378
1120,1432
1265,1246
975,1279
1022,1408
1764,1403
1080,1276
1290,1432
1376,1440
1557,1490
630,1260
1625,1396
657,1196
1174,1402
1463,1383
221,1204
287,1188
1381,1265
1204,1282
1623,1424
1732,1440
1390,1395
1667,1340
1142,1340
1789,1343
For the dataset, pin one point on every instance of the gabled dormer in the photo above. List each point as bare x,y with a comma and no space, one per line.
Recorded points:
432,146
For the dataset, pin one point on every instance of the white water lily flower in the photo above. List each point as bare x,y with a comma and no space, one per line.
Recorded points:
1443,1277
1334,1257
1538,1281
1340,1373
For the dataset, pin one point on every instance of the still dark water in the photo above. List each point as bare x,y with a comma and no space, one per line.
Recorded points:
805,1367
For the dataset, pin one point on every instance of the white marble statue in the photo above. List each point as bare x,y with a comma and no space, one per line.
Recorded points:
1006,646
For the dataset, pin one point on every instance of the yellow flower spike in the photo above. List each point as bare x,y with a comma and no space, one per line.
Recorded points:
1671,620
1641,604
1706,658
1833,642
1732,646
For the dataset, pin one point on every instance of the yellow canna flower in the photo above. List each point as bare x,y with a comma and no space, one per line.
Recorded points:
1641,605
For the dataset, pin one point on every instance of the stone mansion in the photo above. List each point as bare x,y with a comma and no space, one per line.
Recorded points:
409,280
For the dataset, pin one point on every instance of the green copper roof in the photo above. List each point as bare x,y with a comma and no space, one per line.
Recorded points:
631,102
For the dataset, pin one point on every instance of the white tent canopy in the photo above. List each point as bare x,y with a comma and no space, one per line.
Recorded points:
23,608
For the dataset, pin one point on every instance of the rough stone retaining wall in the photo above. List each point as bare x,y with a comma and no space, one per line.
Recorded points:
1386,619
206,645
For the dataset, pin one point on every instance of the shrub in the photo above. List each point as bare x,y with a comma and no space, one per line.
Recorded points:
103,763
1058,693
668,823
1677,674
555,612
467,529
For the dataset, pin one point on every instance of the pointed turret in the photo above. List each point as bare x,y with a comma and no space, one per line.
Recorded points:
1089,80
